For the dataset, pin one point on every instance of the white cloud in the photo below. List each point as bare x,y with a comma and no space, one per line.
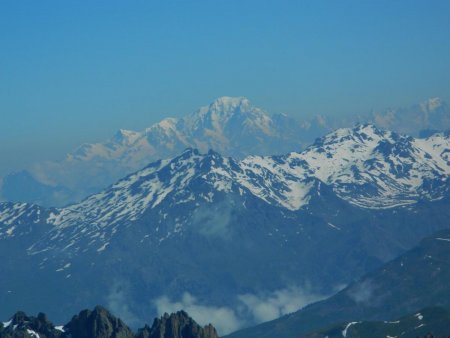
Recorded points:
117,303
224,319
362,292
250,308
268,306
214,222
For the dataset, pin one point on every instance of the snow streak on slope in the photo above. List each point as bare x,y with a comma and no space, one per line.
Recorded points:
15,216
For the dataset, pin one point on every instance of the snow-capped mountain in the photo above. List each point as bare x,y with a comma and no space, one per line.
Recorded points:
364,166
419,120
428,116
229,125
379,169
352,200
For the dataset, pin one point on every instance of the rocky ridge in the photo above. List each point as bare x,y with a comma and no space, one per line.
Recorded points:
99,323
177,324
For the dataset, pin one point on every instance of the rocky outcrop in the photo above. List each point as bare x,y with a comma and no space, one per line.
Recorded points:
177,325
97,324
23,326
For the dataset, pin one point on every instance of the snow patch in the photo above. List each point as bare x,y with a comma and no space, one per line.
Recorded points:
7,324
443,239
334,226
32,333
344,332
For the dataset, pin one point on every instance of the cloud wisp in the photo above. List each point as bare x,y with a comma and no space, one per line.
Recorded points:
268,306
224,319
249,308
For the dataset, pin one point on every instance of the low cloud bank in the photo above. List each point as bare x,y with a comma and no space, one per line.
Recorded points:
224,319
364,293
250,309
117,303
268,306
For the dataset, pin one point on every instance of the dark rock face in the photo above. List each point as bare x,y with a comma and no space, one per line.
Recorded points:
177,325
97,324
22,326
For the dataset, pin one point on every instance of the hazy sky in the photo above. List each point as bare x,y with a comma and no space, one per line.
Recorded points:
75,71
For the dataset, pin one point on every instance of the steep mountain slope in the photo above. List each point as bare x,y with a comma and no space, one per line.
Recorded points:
231,232
417,279
428,323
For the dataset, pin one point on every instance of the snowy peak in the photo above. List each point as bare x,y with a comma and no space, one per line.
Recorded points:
167,125
430,115
222,108
125,137
361,133
229,125
377,169
227,115
230,105
363,138
364,166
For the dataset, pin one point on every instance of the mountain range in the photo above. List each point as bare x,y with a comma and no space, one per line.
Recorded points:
230,126
243,240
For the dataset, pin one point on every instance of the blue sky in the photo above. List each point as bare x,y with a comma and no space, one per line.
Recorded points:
76,71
